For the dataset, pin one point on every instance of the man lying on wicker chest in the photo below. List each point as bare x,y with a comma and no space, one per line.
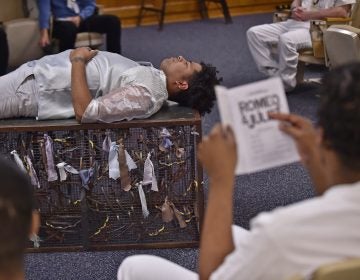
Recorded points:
97,86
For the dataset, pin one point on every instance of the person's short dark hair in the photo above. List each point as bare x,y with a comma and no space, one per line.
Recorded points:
339,113
16,206
200,94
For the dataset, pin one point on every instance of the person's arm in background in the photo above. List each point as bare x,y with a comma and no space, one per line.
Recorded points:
80,92
307,140
44,21
301,14
217,153
87,8
295,4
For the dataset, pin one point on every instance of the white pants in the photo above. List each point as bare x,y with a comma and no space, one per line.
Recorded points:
290,36
18,93
140,267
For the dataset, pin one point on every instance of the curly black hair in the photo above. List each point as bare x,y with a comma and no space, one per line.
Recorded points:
339,113
200,94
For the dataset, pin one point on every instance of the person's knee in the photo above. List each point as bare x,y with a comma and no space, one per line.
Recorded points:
129,266
251,33
286,41
254,34
125,268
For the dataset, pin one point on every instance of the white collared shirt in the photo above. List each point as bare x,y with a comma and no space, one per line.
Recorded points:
297,239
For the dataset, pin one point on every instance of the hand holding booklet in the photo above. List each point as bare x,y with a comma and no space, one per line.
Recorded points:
260,142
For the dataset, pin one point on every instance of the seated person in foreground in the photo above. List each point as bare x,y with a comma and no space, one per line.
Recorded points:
290,240
103,87
290,36
19,221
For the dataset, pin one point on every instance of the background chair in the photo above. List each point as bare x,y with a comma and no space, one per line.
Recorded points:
345,270
159,8
342,42
22,32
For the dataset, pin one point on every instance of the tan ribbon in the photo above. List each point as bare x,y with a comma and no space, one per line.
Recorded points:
125,180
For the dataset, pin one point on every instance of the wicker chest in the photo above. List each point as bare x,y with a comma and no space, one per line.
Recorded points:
82,208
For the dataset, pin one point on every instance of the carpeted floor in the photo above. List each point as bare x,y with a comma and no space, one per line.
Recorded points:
224,46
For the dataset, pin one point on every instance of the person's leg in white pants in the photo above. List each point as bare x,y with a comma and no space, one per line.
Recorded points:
290,36
289,44
261,39
149,267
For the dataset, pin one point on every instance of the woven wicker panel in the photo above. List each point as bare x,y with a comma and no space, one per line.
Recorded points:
105,215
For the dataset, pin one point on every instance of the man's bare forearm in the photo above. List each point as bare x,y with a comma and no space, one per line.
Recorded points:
80,93
341,12
216,237
317,172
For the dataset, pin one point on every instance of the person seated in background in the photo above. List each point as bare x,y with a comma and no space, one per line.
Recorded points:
290,240
290,36
73,16
103,87
4,52
18,218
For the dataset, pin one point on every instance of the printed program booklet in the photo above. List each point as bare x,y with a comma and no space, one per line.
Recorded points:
260,142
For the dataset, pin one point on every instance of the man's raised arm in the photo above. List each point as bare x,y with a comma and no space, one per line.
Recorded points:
217,153
80,92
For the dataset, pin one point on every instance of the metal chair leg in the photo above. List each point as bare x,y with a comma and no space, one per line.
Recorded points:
141,11
162,15
226,12
203,9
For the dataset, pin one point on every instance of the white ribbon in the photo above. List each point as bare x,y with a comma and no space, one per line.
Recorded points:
143,201
71,169
114,171
149,174
106,143
129,161
33,176
165,133
52,175
114,168
63,166
18,161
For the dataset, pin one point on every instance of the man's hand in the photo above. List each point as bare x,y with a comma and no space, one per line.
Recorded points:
302,131
300,14
76,20
217,153
82,54
307,141
44,38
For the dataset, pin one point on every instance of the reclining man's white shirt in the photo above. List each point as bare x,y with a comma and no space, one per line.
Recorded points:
117,84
